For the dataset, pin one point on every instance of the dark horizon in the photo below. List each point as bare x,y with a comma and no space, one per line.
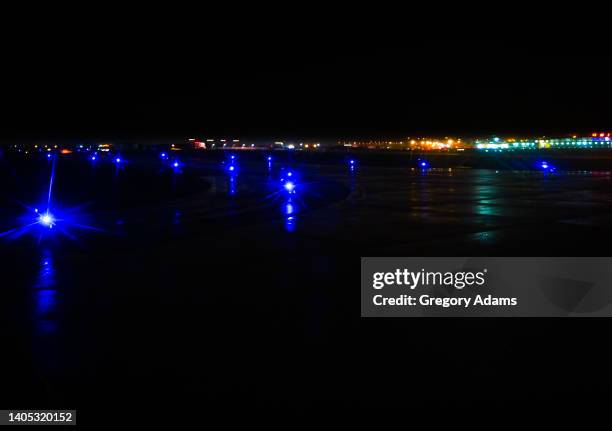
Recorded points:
121,88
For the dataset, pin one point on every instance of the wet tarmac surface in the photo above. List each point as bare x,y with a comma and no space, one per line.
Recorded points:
204,288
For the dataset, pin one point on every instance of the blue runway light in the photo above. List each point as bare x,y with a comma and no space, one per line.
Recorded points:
175,164
93,158
352,162
424,164
163,155
118,160
48,155
231,168
39,223
269,158
46,219
290,187
545,166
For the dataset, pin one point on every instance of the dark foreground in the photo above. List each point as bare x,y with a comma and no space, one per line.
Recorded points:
168,289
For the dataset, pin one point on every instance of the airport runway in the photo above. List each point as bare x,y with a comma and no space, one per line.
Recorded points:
220,290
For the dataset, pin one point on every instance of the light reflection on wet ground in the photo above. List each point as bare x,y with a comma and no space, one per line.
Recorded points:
180,255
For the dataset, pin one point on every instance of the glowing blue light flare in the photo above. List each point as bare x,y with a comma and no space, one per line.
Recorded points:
545,166
40,223
46,219
290,187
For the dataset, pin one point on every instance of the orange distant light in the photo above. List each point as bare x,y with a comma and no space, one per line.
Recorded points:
65,151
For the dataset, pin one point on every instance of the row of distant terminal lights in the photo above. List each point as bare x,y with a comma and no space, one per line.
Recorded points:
301,145
545,143
424,143
212,144
224,142
595,136
196,141
50,148
448,141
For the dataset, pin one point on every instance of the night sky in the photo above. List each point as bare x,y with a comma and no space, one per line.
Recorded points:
146,84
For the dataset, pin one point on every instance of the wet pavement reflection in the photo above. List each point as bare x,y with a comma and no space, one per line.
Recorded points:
205,282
